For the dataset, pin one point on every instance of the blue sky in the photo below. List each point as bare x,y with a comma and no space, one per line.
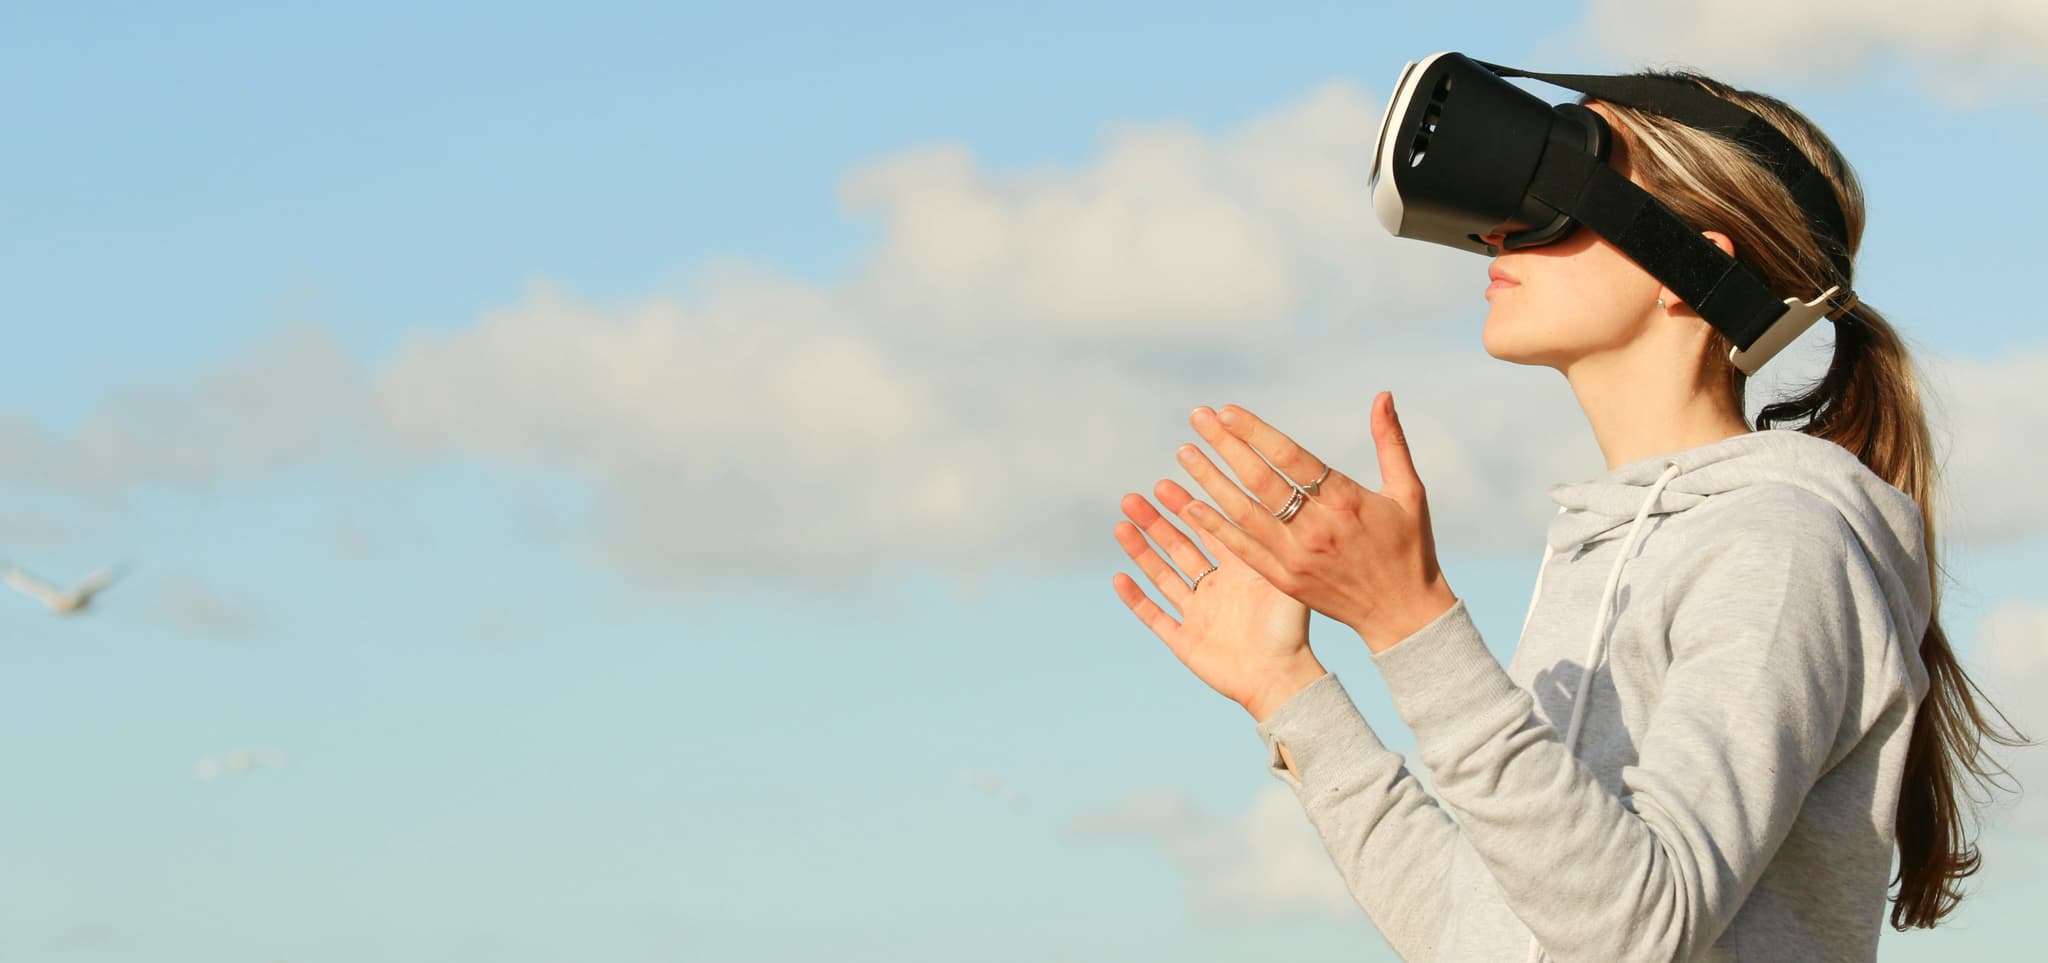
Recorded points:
424,361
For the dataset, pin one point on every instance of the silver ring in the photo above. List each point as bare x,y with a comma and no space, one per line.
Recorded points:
1198,579
1294,503
1314,486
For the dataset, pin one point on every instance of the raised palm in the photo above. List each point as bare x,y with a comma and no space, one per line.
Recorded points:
1236,632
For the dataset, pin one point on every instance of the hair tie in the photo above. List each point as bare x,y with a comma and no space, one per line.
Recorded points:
1842,308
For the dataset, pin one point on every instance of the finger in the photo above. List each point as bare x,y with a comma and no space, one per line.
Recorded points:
1223,492
1147,611
1176,500
1171,584
1269,487
1179,549
1244,526
1247,547
1284,452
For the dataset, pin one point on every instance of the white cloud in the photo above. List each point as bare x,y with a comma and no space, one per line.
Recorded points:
2011,665
1018,351
277,404
1963,50
1266,862
768,432
1169,234
1989,417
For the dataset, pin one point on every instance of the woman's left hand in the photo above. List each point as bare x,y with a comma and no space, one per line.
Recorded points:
1364,558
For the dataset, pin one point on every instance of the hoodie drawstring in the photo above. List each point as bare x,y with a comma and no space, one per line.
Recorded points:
1596,648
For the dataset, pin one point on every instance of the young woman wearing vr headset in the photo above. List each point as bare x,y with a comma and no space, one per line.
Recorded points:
1732,698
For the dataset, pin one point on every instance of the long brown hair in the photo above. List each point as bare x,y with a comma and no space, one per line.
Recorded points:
1869,402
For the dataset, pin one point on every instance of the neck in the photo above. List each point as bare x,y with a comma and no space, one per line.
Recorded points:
1642,402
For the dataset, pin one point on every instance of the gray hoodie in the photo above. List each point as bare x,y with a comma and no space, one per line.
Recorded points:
1753,616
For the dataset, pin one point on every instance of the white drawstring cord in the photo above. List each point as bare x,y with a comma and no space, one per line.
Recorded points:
1596,649
1538,592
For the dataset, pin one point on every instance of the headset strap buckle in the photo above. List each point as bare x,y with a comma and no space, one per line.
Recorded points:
1799,315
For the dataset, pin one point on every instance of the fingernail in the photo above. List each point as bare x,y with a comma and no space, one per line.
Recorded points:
1229,416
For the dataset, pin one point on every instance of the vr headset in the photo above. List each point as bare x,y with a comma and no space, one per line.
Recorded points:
1464,154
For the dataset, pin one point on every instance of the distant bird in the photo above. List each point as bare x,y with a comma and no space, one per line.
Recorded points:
59,600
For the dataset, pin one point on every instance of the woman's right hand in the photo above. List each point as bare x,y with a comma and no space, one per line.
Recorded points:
1239,634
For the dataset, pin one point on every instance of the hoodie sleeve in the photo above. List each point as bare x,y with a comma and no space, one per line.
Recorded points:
1391,842
1763,646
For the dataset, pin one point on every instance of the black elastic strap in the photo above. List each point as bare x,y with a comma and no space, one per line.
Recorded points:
1726,292
1690,105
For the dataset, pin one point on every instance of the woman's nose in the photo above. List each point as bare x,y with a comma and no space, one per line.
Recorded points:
1496,239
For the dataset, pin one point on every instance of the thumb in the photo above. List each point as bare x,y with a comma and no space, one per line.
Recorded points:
1397,466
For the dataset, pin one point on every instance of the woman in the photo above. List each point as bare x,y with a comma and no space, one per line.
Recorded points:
1772,704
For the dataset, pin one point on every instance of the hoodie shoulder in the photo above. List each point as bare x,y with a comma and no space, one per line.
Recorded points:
1780,538
1775,513
1763,502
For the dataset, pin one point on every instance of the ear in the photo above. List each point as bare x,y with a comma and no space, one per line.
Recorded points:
1719,240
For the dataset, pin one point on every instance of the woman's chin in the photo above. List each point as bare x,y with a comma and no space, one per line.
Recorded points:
1499,338
1504,341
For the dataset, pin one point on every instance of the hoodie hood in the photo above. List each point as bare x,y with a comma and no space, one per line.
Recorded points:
1885,520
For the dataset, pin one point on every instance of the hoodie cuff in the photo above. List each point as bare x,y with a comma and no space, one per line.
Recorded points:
1329,740
1443,674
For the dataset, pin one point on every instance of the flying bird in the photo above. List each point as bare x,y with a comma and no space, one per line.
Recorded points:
62,601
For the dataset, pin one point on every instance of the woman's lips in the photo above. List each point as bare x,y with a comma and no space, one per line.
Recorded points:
1501,280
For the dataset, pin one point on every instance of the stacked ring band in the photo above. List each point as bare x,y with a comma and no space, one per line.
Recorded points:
1301,496
1198,579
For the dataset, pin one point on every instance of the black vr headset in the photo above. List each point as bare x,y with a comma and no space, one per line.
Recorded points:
1464,154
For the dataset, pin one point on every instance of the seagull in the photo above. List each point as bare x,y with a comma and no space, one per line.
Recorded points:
58,600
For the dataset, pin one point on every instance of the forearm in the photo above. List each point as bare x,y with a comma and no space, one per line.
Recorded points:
1390,842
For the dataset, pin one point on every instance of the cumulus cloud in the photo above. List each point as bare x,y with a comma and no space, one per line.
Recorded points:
1017,351
2011,664
274,405
1170,234
1963,50
761,433
1266,862
1989,413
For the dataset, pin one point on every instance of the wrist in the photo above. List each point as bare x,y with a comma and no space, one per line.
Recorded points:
1282,687
1384,634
